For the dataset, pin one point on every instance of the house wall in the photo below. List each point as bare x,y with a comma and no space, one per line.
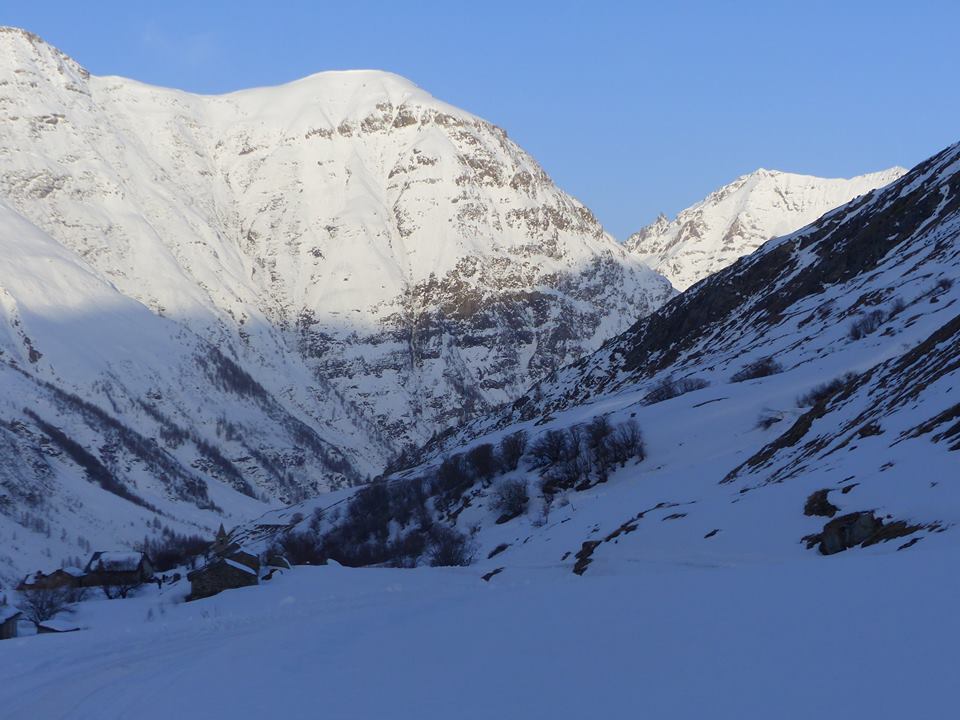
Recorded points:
217,578
8,629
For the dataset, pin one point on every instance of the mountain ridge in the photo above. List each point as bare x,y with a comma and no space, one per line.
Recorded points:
344,257
736,219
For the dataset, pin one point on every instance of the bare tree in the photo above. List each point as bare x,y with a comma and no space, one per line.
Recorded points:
449,547
114,590
510,498
512,448
43,604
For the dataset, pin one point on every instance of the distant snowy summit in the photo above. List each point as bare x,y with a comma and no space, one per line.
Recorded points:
738,218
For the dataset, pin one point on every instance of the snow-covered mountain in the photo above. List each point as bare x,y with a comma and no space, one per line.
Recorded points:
801,400
738,218
265,293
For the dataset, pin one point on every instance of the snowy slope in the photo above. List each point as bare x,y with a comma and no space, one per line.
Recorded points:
761,639
114,419
277,288
738,218
867,297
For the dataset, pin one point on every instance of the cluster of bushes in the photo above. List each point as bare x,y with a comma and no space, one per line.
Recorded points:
584,454
347,544
172,549
763,367
824,390
670,387
385,523
392,523
868,323
407,522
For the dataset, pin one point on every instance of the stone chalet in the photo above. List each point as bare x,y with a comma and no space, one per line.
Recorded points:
68,577
224,573
118,568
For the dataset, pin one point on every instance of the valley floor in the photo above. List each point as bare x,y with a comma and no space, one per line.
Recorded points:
851,635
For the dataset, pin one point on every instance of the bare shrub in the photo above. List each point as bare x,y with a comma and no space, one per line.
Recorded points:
627,442
119,590
43,604
549,449
511,450
510,498
449,547
670,387
482,461
452,478
768,420
824,390
763,367
863,326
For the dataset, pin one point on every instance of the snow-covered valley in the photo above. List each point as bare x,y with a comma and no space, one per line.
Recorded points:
470,457
243,300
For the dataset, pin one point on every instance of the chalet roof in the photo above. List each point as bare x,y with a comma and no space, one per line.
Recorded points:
8,612
74,571
115,561
34,577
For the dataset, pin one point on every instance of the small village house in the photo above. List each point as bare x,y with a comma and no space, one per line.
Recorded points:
68,577
231,566
221,574
119,568
9,618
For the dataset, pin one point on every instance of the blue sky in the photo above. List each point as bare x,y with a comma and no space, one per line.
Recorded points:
635,108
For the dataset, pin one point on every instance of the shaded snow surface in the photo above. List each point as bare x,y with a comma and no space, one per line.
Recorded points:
810,638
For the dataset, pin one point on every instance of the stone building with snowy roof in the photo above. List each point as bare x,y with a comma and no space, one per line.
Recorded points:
68,577
224,573
118,568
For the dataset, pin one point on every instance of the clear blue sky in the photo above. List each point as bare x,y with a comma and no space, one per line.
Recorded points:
633,107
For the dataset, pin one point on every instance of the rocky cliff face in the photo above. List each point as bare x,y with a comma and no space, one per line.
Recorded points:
739,217
344,256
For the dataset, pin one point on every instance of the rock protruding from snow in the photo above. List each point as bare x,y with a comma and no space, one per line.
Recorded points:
738,218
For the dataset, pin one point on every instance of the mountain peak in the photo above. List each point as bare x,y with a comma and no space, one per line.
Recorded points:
737,218
29,55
